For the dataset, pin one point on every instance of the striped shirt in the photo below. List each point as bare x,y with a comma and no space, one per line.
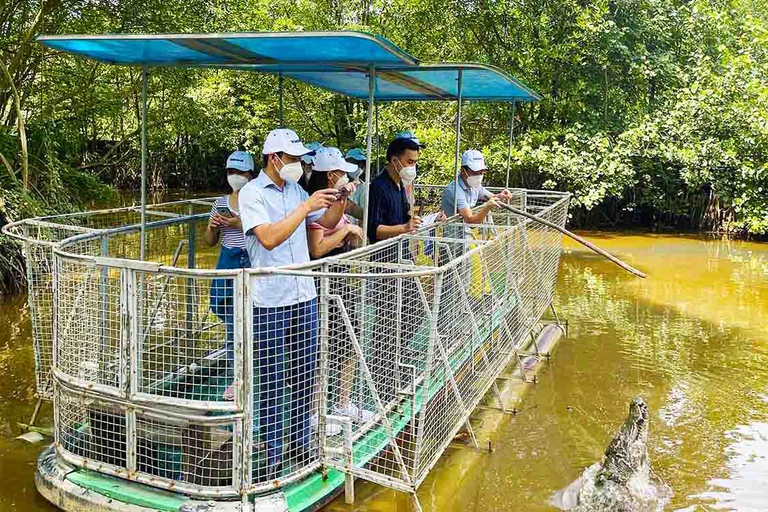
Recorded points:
230,237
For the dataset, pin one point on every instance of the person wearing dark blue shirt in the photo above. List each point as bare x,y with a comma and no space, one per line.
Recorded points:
389,217
389,214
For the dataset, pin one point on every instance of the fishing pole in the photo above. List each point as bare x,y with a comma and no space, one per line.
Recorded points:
576,237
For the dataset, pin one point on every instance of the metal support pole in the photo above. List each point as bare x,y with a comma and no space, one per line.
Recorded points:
511,138
104,352
143,162
280,87
378,140
323,374
368,147
190,299
458,149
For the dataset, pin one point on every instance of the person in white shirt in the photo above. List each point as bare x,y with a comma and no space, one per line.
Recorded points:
463,195
276,213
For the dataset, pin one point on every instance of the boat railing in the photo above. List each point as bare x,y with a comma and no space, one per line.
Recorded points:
406,338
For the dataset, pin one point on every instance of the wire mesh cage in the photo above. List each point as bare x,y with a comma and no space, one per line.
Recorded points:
180,376
40,235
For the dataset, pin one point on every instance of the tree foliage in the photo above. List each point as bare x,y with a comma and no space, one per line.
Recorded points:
654,111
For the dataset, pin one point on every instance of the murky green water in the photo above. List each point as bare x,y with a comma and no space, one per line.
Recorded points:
692,339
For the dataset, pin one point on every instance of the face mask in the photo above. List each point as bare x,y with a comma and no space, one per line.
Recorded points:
290,172
475,181
353,176
341,181
408,174
236,181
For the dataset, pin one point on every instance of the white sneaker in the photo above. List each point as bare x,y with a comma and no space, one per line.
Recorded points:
357,414
331,429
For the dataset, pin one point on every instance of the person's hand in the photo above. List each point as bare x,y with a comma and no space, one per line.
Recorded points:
350,188
354,236
440,217
505,195
217,221
232,222
354,232
321,199
413,224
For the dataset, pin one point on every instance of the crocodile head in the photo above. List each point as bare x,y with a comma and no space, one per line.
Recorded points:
627,454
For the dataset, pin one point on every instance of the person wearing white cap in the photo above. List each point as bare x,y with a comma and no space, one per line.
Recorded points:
470,190
225,224
307,161
332,171
276,213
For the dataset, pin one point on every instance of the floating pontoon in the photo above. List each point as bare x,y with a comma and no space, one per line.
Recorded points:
130,353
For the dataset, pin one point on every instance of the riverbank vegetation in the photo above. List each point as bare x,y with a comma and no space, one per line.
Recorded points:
655,112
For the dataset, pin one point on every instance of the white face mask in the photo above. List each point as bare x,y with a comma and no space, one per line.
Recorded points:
475,181
341,181
357,173
290,172
407,174
236,181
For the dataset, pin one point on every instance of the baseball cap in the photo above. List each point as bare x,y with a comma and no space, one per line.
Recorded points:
356,154
314,146
331,159
407,134
286,141
473,159
240,160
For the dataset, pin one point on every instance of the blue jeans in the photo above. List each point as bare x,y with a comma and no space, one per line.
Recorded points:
222,295
285,354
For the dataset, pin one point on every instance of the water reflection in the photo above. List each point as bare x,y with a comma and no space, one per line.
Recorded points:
747,468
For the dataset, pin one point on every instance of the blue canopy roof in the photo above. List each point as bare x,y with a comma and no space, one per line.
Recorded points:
234,48
337,61
479,82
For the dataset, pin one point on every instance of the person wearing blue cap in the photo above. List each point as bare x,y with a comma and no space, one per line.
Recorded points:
225,224
408,134
276,213
357,157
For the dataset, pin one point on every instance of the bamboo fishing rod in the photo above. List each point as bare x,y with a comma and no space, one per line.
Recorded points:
576,237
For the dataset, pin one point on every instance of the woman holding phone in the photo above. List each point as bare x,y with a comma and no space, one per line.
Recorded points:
330,170
225,226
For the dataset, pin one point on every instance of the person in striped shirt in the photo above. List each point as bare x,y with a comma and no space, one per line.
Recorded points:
225,226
